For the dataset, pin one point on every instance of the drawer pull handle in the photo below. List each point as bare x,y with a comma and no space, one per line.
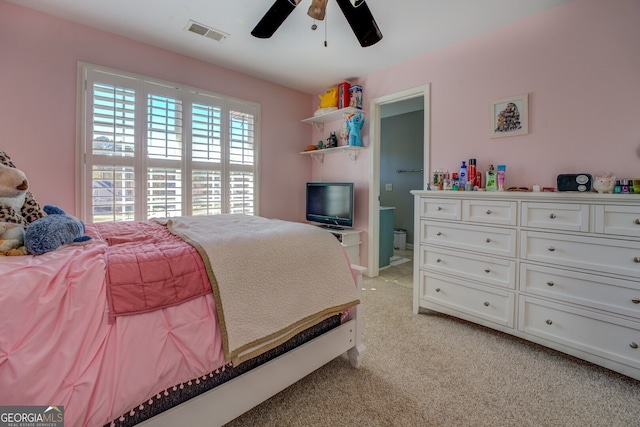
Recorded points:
439,233
437,289
552,216
637,221
636,300
487,270
549,322
550,283
488,240
633,345
486,303
439,208
438,260
636,259
551,248
489,212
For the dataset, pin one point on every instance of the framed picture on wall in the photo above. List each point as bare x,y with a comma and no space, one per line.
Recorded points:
509,116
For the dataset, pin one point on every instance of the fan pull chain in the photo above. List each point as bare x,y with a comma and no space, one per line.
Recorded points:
325,30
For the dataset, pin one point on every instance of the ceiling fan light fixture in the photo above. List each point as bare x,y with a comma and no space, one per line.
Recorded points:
356,12
317,9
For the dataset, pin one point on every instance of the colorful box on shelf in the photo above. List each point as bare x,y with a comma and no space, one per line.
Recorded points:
343,95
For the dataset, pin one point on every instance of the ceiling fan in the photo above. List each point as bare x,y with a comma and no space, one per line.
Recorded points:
356,12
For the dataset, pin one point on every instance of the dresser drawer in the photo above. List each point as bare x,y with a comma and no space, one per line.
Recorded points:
490,304
618,220
486,240
555,216
489,270
591,332
591,253
490,212
600,292
440,208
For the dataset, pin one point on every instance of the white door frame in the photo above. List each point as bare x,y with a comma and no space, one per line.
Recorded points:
374,165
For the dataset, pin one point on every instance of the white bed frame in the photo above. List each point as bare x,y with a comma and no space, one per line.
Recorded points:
222,404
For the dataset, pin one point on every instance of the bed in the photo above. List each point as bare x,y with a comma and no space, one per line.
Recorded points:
136,325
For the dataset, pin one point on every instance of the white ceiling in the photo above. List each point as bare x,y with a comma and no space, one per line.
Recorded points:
295,56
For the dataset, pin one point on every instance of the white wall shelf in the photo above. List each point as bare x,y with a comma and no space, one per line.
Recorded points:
320,120
318,155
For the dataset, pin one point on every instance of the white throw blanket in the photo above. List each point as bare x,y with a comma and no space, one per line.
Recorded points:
271,279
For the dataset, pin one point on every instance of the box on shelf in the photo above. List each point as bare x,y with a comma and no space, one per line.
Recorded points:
343,95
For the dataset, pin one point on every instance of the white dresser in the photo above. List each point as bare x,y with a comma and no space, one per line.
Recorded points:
558,269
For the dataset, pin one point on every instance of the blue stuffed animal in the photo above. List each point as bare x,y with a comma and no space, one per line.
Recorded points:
354,124
52,231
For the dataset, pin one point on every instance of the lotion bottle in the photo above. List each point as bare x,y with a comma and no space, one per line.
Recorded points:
500,175
462,176
491,179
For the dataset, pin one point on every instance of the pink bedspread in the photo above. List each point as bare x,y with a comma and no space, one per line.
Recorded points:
57,347
149,268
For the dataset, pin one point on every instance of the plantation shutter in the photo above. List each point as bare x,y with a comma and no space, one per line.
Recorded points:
155,149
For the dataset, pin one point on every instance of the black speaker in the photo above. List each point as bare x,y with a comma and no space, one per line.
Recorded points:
575,182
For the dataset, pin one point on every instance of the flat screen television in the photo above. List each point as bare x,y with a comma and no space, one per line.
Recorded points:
330,203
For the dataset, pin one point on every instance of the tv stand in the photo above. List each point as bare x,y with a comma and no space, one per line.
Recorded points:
332,227
349,239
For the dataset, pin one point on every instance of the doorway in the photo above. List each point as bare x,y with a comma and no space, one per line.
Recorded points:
380,108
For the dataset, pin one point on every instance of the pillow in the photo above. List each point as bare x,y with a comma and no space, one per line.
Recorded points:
30,211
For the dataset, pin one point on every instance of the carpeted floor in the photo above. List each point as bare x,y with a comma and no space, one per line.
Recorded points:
434,370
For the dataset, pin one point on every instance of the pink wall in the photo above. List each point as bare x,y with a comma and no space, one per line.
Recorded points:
38,58
580,65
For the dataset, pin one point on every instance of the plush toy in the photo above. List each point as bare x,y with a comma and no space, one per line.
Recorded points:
13,192
11,239
329,99
23,208
52,231
604,183
355,123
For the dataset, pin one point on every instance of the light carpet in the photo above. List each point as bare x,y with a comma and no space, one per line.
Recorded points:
434,370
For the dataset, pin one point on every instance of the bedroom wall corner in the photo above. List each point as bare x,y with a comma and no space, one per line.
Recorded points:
39,56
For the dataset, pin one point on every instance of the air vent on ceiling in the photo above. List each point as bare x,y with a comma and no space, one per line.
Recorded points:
203,30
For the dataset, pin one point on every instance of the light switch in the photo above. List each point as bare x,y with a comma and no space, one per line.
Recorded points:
388,187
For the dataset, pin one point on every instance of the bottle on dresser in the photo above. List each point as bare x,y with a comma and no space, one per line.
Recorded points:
471,172
491,179
463,176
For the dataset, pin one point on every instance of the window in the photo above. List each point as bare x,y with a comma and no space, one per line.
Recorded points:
156,149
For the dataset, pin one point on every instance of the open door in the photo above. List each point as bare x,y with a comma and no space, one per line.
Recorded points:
375,134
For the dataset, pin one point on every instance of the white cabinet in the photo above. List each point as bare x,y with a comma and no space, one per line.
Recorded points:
350,241
558,269
466,256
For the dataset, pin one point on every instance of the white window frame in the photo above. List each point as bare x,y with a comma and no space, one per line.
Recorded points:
89,73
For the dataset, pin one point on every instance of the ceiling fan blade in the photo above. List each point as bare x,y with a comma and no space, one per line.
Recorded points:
274,17
361,21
